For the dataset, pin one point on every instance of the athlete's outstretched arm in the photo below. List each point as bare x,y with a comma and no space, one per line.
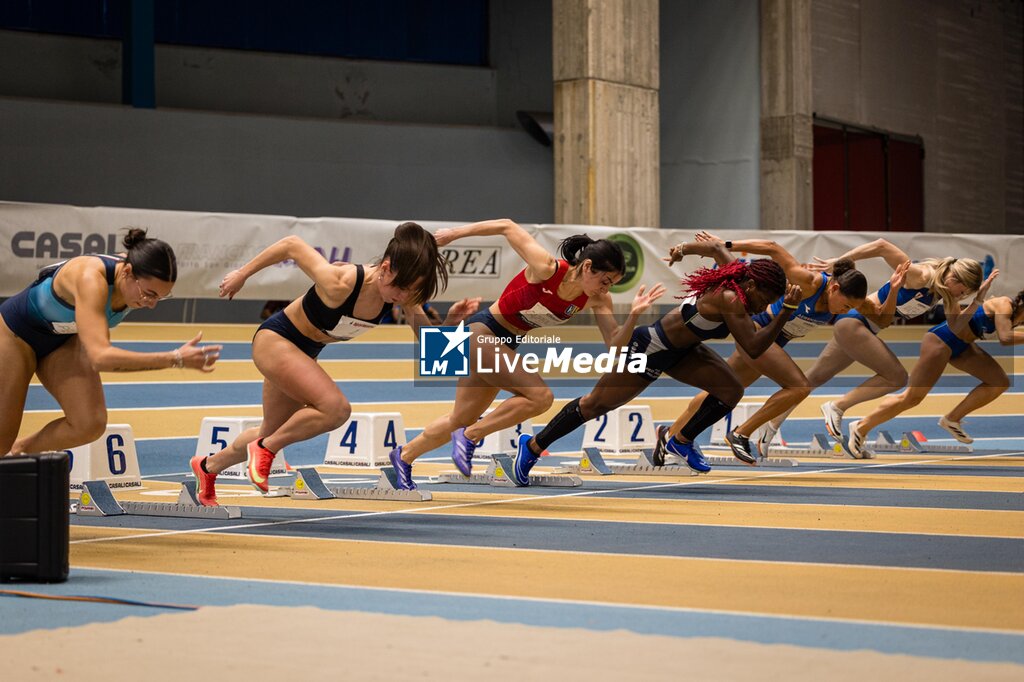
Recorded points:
416,316
616,334
752,340
795,271
540,264
959,320
701,246
880,248
90,293
330,278
882,315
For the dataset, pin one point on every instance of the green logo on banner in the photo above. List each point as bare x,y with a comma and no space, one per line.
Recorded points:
634,261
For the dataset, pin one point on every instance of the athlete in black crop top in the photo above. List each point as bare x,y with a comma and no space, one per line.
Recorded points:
721,301
300,400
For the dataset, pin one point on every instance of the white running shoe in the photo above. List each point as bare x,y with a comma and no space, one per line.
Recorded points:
764,442
833,419
854,446
954,428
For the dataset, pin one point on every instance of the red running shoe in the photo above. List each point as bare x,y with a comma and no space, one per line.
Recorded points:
206,489
258,466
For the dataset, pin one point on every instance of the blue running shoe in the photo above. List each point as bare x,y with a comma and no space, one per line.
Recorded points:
524,461
403,471
690,453
462,451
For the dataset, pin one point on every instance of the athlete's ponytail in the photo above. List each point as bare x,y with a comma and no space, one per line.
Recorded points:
417,262
1018,304
966,270
603,254
150,257
852,282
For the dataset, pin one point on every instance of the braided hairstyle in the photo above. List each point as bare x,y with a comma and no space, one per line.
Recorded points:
766,274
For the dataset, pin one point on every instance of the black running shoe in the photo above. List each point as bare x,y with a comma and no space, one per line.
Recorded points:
658,457
740,446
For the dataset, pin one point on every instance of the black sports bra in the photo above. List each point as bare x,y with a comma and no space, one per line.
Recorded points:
340,323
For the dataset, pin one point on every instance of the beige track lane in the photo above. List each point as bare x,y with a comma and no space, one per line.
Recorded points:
910,596
183,422
682,511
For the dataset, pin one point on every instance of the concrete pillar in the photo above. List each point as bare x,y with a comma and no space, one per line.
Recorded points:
606,112
787,139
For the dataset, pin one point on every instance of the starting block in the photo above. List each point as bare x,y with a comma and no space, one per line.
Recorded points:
97,500
365,440
497,476
741,413
593,462
216,433
110,458
820,446
309,485
625,430
909,444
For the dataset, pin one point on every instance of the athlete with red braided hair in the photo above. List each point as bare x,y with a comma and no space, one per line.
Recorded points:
719,302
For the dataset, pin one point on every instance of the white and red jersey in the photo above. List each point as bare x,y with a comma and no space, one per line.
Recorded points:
527,306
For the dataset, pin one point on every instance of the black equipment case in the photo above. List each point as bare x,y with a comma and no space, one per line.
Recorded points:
34,517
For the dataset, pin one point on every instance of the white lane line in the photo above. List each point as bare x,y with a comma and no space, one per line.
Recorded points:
529,498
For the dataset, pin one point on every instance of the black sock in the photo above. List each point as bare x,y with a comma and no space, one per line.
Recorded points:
711,410
202,465
562,424
260,444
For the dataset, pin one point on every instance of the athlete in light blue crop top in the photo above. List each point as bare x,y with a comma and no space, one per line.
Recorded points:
954,343
922,286
823,297
59,328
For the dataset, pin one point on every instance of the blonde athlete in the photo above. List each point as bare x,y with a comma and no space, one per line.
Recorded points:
954,343
928,283
59,329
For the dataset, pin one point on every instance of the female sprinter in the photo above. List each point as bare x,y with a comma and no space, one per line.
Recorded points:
953,343
547,292
721,301
928,283
59,329
300,400
823,297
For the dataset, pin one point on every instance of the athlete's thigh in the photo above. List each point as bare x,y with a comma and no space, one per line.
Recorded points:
19,366
864,347
278,407
292,372
744,366
502,368
930,365
705,369
833,359
979,364
70,378
472,398
776,364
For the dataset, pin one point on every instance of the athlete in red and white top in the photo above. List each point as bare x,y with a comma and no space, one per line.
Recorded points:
547,292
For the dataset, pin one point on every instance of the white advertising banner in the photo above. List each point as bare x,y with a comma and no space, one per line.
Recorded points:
209,245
